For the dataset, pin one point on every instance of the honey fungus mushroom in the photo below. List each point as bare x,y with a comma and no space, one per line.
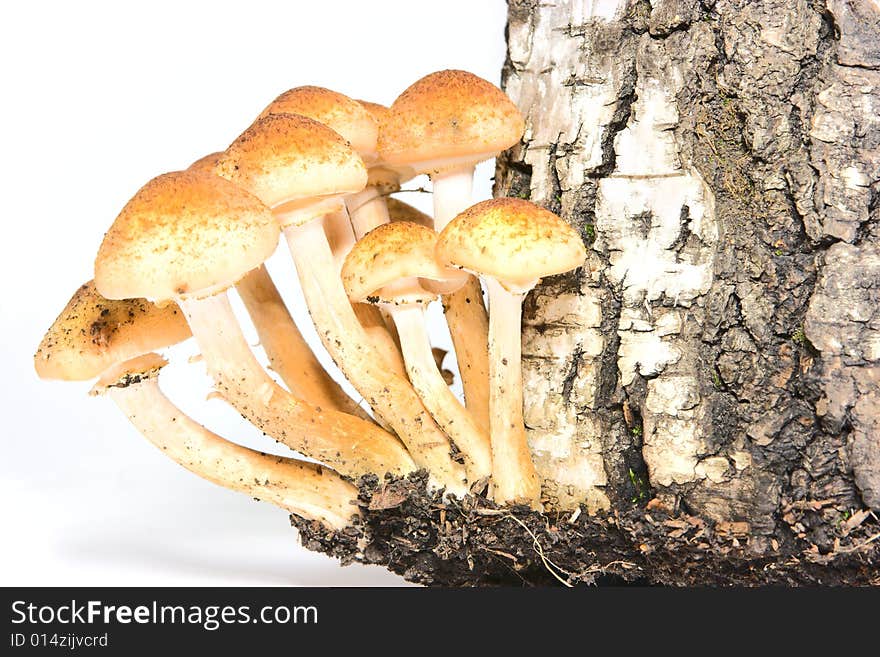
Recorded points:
392,266
290,356
186,237
355,124
351,120
512,243
115,342
445,124
303,170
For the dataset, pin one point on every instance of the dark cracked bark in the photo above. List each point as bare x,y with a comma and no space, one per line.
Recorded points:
702,397
723,159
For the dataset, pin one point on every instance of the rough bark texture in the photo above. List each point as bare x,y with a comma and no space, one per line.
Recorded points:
724,160
705,390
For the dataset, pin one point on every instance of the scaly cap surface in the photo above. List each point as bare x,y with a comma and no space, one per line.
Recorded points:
284,158
346,116
186,233
447,118
512,240
400,211
93,334
390,253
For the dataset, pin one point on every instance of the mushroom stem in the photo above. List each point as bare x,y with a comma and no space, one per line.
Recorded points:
370,317
367,210
514,477
464,309
390,396
304,489
288,352
347,443
340,235
469,329
471,440
452,193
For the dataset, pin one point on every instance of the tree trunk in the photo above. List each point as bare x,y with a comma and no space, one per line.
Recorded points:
724,161
705,390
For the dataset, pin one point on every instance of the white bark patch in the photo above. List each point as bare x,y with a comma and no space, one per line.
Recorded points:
843,125
656,219
565,445
576,97
843,323
572,111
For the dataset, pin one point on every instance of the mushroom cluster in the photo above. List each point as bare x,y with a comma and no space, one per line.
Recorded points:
320,168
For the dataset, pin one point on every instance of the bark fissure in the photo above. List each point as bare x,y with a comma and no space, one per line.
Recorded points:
754,113
702,396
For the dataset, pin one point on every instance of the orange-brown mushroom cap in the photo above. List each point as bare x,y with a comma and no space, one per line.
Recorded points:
378,111
448,116
186,233
92,334
337,111
512,240
400,211
390,253
206,163
284,158
381,174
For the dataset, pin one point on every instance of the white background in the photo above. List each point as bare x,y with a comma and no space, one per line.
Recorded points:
97,98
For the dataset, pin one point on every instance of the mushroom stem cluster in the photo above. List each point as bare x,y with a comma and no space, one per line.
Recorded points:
305,489
318,168
290,356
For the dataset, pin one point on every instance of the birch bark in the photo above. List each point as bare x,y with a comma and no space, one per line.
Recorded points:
720,353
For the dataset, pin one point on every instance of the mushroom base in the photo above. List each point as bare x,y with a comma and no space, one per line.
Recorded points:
475,543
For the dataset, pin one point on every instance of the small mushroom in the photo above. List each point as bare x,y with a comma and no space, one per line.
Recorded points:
114,341
187,236
392,266
302,169
445,124
513,244
351,120
288,352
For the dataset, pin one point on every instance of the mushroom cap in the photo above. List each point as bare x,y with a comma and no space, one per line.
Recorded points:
378,111
514,241
448,118
206,163
284,158
344,115
186,233
393,253
93,334
381,174
400,211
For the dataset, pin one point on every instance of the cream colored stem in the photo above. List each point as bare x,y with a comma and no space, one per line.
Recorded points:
288,352
390,396
304,489
370,317
367,210
428,382
469,329
341,239
347,443
452,194
340,235
514,477
464,309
